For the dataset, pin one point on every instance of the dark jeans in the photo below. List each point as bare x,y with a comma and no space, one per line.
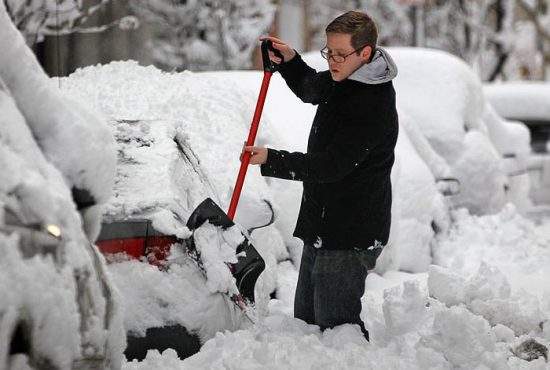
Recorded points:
330,286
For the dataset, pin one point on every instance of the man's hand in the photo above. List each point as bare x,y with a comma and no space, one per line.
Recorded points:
286,50
258,155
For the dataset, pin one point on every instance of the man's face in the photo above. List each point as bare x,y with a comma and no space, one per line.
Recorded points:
340,44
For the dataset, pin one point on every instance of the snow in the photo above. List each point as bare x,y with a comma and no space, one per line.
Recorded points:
52,285
72,137
466,313
520,100
154,298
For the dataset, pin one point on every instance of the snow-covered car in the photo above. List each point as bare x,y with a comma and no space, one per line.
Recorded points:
160,180
58,307
178,141
527,102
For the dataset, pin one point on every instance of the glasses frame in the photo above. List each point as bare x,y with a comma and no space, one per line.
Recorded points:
327,56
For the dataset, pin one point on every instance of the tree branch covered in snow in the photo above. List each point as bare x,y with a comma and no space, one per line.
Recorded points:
537,18
205,34
38,18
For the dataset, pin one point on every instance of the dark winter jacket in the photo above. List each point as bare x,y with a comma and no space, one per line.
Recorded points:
346,202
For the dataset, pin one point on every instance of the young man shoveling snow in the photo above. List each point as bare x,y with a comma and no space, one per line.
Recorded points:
345,212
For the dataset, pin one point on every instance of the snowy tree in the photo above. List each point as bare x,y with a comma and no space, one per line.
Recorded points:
205,34
38,18
536,29
499,38
392,18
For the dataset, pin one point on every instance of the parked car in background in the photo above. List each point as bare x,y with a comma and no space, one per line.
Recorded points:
528,102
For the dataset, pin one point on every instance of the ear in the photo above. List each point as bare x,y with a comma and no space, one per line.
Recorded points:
366,53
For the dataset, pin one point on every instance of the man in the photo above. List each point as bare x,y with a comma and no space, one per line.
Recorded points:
345,213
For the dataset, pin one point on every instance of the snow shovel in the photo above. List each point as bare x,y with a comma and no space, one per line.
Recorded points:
250,264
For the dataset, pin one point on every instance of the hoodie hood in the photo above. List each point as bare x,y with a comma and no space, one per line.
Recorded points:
381,69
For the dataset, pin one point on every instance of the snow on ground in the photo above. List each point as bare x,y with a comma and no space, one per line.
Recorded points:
447,317
488,296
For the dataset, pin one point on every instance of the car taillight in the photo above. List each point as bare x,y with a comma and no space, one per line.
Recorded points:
158,248
154,248
137,239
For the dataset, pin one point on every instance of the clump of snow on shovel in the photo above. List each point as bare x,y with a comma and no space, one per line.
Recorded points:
217,248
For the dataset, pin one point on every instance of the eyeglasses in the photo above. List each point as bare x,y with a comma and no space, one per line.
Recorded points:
338,58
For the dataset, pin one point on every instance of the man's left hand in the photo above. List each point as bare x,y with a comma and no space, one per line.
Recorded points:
258,155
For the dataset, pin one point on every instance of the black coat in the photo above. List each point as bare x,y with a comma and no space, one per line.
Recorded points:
346,202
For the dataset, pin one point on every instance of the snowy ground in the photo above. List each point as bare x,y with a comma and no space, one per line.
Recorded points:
487,294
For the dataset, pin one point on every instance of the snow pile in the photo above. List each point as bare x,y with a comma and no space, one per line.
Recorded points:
217,249
178,295
488,294
516,245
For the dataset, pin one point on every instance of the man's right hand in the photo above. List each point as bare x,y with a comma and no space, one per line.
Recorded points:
286,50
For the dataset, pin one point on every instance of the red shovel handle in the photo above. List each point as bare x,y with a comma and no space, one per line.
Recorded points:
249,142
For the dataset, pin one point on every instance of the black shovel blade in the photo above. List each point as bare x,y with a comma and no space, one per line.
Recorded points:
249,264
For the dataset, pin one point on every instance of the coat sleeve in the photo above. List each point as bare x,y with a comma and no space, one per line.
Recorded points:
355,139
304,81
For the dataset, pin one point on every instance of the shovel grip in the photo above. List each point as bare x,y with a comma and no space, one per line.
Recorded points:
269,66
249,142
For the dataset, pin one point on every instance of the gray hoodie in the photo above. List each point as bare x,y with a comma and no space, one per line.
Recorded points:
381,69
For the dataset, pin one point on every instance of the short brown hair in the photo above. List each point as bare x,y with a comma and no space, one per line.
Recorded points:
359,25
